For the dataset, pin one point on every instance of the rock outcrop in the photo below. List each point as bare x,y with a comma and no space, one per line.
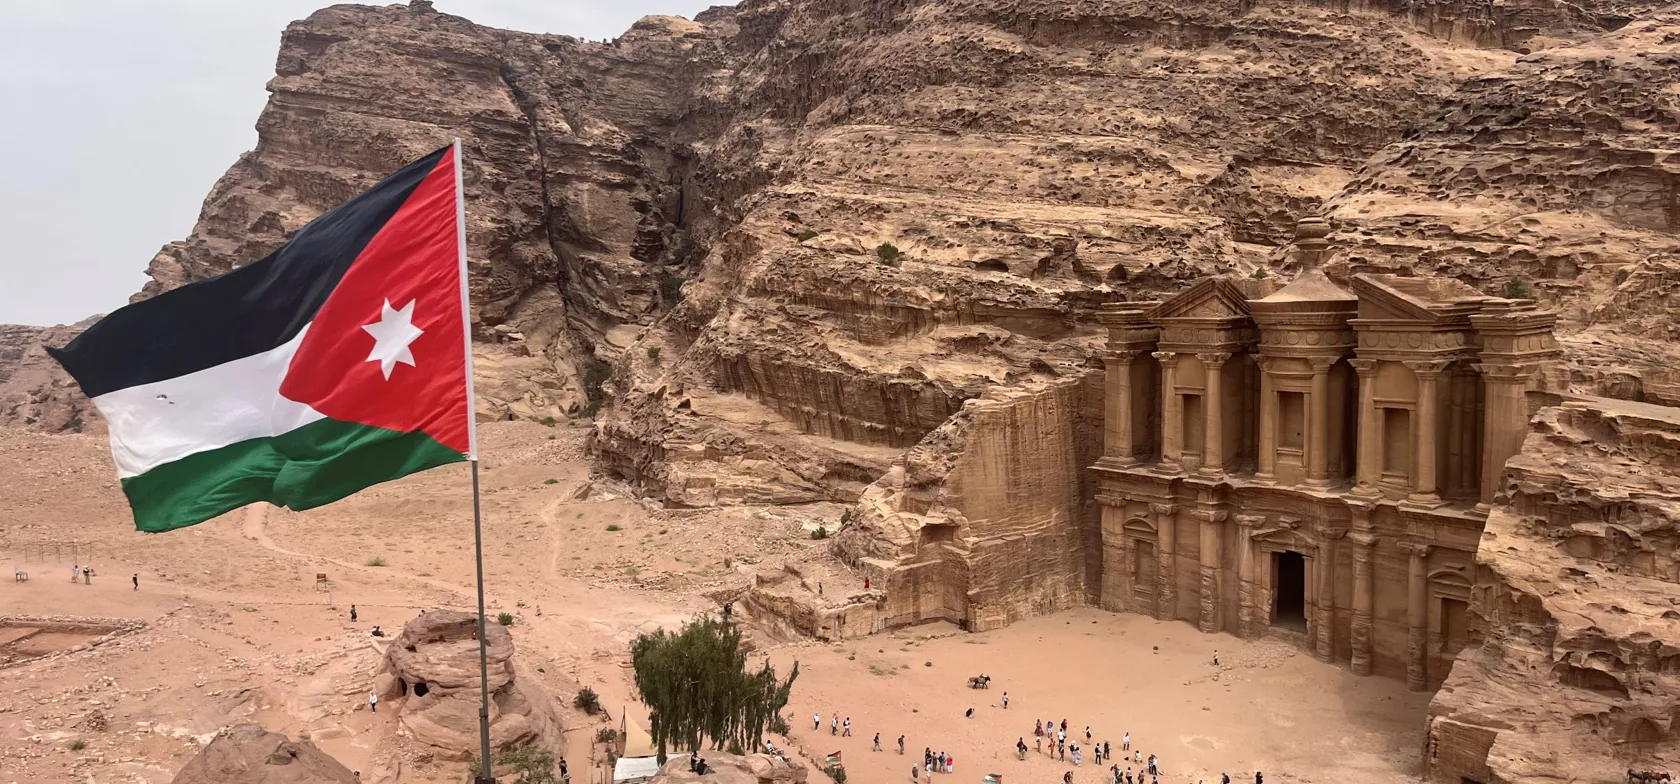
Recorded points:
1576,604
735,769
430,676
34,391
249,754
989,519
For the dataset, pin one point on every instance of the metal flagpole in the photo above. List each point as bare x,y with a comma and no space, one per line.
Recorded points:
485,765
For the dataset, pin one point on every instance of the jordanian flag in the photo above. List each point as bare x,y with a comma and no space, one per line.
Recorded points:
336,362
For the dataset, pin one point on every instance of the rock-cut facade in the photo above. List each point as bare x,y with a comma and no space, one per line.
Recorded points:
1313,460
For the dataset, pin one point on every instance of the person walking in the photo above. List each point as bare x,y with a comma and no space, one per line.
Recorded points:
1216,657
901,744
848,731
1107,753
1259,778
1006,700
1126,741
915,773
136,581
1087,733
75,571
816,721
877,741
373,703
87,575
834,725
352,613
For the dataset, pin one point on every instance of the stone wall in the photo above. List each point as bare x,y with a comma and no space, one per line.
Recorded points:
991,518
1576,674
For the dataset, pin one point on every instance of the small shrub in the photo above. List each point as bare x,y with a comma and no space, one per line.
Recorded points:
820,533
551,481
78,744
550,421
606,735
1260,274
1518,288
614,527
806,235
778,725
838,774
728,563
505,619
889,254
670,289
845,517
29,420
376,561
587,701
927,664
653,354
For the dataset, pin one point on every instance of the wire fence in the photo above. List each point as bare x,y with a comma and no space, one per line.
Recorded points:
79,551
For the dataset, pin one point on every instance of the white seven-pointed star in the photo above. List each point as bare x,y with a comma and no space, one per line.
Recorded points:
391,335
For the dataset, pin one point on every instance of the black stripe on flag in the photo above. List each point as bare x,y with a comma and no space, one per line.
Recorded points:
251,310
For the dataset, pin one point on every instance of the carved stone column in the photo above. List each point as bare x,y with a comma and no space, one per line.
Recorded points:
1213,403
1505,421
1417,617
1268,424
1370,460
1325,625
1117,424
1245,572
1172,415
1318,445
1363,596
1166,561
1427,434
1211,522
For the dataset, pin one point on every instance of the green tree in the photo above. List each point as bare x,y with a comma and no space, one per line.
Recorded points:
697,687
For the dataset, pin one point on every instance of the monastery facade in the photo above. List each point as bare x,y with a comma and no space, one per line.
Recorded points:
1313,461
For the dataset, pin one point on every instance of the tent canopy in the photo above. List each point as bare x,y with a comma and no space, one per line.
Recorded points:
637,741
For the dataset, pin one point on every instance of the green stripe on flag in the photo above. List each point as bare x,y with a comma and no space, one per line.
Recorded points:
313,465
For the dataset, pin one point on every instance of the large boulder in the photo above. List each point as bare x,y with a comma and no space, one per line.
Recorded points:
249,754
430,674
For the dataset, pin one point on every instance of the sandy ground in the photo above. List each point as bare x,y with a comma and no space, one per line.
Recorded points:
239,630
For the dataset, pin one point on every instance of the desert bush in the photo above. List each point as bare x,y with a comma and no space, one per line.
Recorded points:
505,619
587,701
820,533
889,254
376,561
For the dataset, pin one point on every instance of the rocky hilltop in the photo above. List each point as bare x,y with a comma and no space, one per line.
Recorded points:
776,246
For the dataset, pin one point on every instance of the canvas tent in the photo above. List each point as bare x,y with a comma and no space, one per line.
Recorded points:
637,756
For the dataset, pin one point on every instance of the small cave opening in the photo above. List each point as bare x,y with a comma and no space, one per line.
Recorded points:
402,688
991,265
421,689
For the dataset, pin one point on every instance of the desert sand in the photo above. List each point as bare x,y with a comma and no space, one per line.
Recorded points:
237,629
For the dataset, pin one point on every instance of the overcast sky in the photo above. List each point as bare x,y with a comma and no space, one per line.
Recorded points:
116,117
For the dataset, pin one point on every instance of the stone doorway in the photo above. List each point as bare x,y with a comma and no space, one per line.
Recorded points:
1143,576
1289,590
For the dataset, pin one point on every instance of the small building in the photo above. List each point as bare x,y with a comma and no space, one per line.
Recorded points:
1313,460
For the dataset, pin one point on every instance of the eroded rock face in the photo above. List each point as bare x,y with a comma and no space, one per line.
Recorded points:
34,392
432,669
249,754
1577,579
988,520
1027,160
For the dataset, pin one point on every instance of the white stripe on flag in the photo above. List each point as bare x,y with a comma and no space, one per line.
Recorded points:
235,401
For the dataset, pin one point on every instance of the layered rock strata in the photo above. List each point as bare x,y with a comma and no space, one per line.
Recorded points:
1574,602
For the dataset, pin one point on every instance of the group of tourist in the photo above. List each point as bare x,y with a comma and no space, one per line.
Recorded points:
1049,737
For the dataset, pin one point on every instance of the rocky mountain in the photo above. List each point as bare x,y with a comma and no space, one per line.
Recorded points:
776,246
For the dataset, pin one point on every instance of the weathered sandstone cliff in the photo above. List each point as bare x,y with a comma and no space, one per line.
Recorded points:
1575,604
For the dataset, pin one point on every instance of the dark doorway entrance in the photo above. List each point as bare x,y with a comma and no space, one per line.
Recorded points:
1289,591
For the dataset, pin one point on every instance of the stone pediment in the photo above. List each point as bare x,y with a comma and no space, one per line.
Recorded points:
1426,300
1209,298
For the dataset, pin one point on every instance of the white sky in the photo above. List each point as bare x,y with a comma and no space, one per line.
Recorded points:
116,117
